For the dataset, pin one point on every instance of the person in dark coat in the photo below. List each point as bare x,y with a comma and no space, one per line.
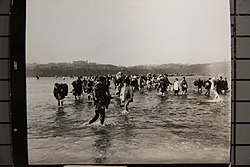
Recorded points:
77,85
101,100
184,86
199,83
207,86
60,92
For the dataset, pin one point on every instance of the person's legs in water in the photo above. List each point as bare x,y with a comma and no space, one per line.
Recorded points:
102,113
75,96
95,117
126,105
206,93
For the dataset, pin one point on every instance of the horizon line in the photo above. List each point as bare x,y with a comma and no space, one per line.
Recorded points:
89,62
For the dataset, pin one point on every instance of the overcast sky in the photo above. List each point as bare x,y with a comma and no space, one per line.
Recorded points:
128,32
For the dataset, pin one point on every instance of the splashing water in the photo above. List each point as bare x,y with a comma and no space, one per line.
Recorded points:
169,129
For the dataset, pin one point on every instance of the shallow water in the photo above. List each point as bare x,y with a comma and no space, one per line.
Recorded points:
158,129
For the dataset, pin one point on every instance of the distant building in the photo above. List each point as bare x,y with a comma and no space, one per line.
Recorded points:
80,63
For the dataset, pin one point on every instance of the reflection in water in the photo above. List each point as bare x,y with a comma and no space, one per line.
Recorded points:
60,110
126,129
60,122
128,136
165,127
101,145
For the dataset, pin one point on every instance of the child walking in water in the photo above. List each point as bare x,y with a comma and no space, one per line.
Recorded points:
126,95
184,86
176,87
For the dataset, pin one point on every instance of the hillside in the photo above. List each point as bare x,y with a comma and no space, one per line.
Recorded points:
82,68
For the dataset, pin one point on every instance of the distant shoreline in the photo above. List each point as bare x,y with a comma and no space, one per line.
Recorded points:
83,68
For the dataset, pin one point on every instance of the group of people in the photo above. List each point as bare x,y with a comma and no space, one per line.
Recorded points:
150,81
220,86
97,89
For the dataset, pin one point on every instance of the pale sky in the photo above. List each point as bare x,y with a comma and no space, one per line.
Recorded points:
128,32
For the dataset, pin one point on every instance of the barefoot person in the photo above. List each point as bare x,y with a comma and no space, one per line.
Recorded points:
176,87
77,85
60,91
215,90
225,86
162,86
126,94
118,82
207,86
141,83
101,100
89,88
184,86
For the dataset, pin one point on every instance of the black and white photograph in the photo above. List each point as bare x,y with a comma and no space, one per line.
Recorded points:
128,81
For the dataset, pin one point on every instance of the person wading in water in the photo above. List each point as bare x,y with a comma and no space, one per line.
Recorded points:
126,95
101,100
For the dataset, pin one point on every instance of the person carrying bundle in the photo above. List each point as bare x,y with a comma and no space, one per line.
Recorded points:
77,85
207,86
184,86
60,92
118,81
199,83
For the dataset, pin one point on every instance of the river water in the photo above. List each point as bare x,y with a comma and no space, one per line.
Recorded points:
158,129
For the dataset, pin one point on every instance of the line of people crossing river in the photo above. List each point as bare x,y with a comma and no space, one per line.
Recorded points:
97,89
